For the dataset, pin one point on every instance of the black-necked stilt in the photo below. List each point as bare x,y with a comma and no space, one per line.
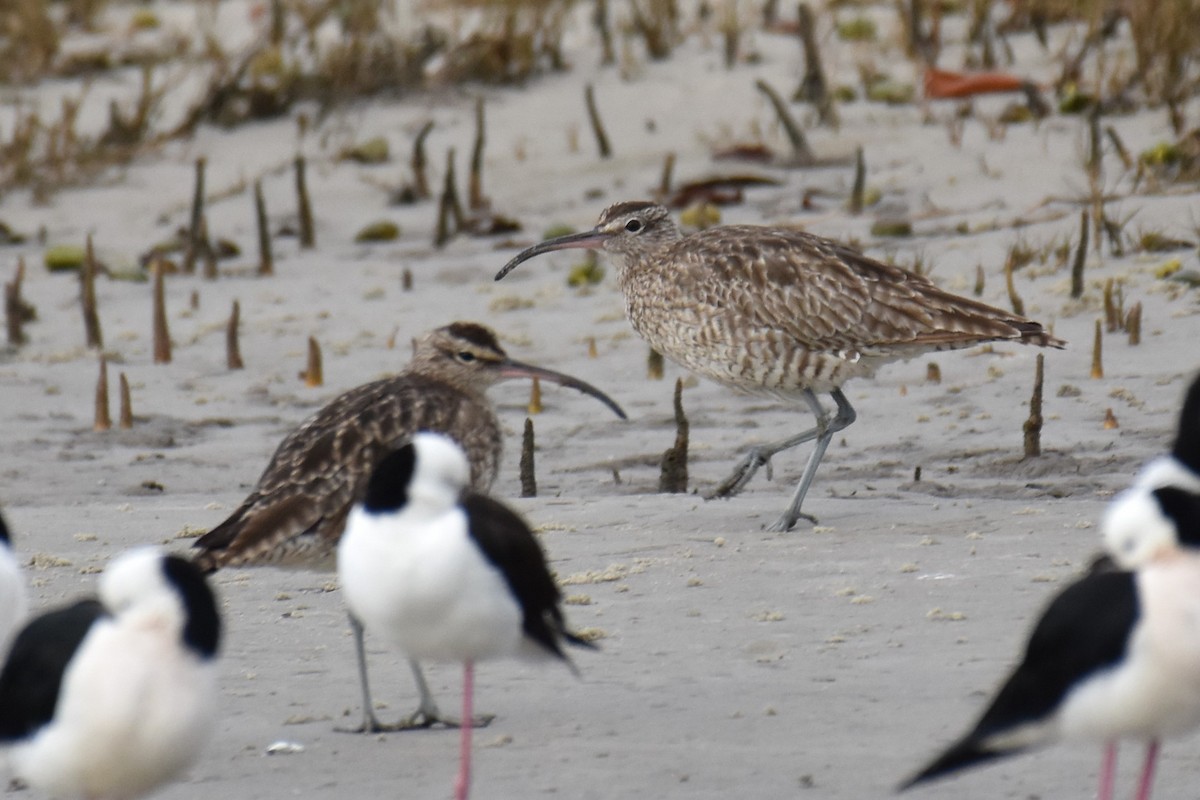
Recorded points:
1116,654
445,575
296,513
13,601
108,699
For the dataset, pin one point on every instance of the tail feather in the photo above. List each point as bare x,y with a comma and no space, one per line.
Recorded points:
965,753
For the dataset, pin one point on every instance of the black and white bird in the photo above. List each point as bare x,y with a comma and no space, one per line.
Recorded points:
1116,655
447,575
108,699
296,513
14,604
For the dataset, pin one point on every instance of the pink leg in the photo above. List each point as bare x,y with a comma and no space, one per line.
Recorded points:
1147,780
1108,771
462,786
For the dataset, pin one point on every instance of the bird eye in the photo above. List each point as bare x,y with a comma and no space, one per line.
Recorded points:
466,357
633,226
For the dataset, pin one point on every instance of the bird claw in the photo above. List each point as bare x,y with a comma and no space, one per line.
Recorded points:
418,720
788,521
742,474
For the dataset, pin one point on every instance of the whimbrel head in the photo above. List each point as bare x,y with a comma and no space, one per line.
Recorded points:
468,357
634,226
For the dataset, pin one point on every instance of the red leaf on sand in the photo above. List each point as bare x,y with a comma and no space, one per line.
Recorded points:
941,84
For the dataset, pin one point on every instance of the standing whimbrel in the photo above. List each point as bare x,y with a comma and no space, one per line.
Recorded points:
113,698
296,513
448,574
779,312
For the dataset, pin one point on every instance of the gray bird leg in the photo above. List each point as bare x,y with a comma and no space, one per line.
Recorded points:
426,715
842,419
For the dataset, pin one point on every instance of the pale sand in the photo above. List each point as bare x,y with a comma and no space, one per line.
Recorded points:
822,663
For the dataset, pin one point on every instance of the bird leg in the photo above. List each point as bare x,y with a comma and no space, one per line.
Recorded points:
426,715
1147,779
842,419
761,455
1108,772
462,786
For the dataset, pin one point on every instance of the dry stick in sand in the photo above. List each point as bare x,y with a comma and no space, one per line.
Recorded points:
589,98
802,154
418,163
673,476
450,214
860,181
125,419
194,242
406,280
1097,355
933,373
1018,305
162,337
87,297
1033,425
1080,257
535,397
814,88
600,20
209,252
475,198
1133,324
979,280
266,261
528,480
308,238
1112,318
314,374
15,309
668,170
103,421
233,351
591,347
654,365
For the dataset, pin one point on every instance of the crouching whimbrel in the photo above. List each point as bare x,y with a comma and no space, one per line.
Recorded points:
295,516
779,312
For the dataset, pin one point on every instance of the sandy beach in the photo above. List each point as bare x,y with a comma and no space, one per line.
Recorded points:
826,662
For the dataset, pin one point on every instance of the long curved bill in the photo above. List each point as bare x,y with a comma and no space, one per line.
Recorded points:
510,368
588,240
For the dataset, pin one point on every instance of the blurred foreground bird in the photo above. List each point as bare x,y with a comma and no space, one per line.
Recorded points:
779,312
447,576
109,699
13,601
296,513
1116,654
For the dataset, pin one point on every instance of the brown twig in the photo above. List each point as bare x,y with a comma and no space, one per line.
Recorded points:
87,297
668,170
314,373
1112,321
162,337
102,421
860,181
1097,354
1018,305
1080,257
208,251
654,365
802,154
475,198
308,236
233,350
450,215
194,243
814,88
535,397
979,280
16,310
266,260
673,473
528,478
589,99
418,163
1033,425
125,418
1133,324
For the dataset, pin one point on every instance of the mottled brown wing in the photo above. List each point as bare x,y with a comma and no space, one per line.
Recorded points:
827,297
296,513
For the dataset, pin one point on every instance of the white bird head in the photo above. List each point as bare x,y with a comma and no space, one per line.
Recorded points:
428,475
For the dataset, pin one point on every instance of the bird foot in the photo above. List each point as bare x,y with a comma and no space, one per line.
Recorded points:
418,720
742,474
789,520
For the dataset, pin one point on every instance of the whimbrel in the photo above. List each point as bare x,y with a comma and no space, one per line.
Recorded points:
445,575
296,513
779,312
108,700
